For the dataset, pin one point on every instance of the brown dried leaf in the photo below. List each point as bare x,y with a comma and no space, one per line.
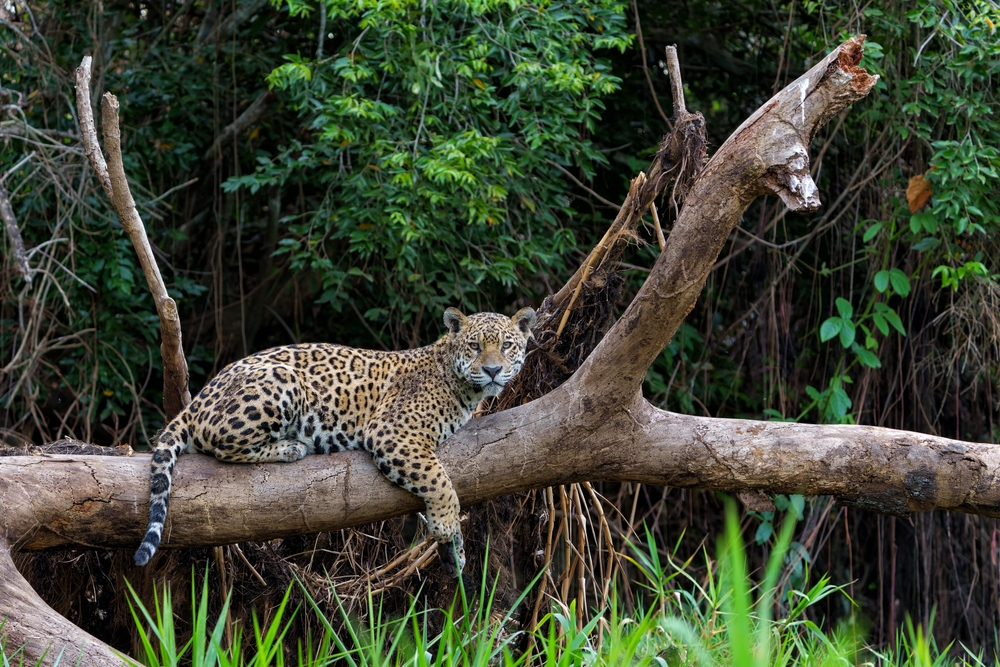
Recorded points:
918,192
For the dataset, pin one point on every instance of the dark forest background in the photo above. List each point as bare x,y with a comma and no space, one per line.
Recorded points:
347,176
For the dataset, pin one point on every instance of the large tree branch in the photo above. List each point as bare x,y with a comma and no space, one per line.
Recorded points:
30,625
86,501
767,154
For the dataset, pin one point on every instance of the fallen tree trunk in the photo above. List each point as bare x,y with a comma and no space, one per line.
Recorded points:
596,426
87,501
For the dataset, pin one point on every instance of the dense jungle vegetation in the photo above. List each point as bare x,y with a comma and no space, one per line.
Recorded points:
391,159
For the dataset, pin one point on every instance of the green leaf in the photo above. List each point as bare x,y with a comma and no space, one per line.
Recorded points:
839,404
880,322
866,357
798,503
892,318
900,283
847,334
882,280
844,308
764,532
830,328
872,231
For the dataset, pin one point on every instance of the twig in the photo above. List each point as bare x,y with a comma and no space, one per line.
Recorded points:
322,29
253,113
676,83
20,34
420,127
366,325
595,255
19,256
579,183
656,225
549,541
17,166
112,176
88,131
606,532
220,561
645,66
239,552
171,191
165,30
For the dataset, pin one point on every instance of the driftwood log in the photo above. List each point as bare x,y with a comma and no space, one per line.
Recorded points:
596,426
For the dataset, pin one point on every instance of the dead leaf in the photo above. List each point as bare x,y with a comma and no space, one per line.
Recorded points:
918,192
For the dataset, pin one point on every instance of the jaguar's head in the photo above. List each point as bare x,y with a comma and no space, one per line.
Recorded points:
488,348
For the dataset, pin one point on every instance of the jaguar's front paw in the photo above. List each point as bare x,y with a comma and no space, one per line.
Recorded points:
292,453
452,555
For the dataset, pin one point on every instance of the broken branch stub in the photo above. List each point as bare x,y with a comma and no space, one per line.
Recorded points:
17,254
176,394
767,154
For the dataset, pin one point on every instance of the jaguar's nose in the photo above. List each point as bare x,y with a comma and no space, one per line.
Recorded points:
492,371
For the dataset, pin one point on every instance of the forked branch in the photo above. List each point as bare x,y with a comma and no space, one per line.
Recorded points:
112,177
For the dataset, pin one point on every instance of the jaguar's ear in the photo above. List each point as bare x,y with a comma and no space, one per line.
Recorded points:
454,320
524,320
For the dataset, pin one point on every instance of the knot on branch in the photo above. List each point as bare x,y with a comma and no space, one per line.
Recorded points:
791,181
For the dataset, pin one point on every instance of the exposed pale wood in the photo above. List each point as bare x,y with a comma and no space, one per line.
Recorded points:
80,501
767,154
31,624
112,176
88,131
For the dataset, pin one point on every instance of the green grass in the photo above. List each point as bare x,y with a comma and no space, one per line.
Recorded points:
14,656
722,617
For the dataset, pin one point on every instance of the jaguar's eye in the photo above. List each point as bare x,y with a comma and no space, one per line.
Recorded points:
507,345
474,347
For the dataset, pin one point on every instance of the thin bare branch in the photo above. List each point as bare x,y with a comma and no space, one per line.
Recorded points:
645,65
112,176
253,114
17,243
676,83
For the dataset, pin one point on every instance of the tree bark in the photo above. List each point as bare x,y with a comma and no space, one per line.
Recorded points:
86,501
596,426
30,625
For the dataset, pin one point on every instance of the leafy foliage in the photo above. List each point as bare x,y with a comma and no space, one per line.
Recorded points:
433,130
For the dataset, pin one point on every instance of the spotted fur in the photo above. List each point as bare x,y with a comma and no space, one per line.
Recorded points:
286,402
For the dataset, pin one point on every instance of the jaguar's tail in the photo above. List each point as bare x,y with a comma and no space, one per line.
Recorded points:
170,443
